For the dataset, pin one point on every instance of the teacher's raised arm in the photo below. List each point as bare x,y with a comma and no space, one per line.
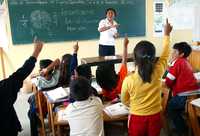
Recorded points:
108,33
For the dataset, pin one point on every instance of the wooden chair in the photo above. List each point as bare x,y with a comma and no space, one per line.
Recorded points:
54,124
41,107
164,102
194,114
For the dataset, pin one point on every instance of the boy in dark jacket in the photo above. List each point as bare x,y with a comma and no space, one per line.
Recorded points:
9,88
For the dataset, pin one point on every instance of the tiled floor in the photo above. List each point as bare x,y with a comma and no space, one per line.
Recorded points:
22,107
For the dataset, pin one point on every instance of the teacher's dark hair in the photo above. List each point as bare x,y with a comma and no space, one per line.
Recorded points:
111,9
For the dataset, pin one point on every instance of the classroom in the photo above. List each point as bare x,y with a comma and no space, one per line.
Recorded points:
34,33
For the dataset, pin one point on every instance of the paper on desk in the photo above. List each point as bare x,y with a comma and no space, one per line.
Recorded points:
57,93
116,109
196,102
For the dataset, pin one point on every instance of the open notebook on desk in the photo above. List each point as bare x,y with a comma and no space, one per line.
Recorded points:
57,95
116,109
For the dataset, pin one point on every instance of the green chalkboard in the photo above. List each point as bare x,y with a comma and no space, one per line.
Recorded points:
65,20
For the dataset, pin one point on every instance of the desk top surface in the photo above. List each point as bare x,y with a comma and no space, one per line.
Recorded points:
93,61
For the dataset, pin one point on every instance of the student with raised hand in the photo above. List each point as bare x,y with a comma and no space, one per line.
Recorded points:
9,89
107,78
48,77
141,90
68,64
49,74
180,79
85,114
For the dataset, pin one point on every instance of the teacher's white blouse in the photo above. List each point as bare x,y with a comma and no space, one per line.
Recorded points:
107,37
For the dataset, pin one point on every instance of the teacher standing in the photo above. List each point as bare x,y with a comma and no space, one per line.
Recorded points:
108,33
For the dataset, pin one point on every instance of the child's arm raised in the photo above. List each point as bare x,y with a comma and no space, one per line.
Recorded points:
162,63
14,82
54,64
74,60
124,56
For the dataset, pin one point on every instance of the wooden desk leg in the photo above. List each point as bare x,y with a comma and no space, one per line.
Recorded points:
51,118
58,130
42,131
193,120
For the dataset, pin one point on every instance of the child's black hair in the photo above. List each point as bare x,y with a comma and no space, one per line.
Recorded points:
106,76
44,63
85,71
80,89
183,47
111,9
144,54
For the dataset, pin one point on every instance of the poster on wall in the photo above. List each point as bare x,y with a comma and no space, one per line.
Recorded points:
196,26
159,18
181,13
3,33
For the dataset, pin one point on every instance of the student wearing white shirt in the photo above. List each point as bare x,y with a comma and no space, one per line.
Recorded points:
108,33
85,115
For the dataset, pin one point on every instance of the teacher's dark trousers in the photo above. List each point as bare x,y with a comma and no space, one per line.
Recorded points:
105,50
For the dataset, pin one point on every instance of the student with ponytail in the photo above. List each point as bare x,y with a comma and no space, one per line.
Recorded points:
141,90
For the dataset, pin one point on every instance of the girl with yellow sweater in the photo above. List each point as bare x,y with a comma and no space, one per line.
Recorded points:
141,90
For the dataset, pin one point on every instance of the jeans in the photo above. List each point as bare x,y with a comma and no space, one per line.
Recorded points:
175,109
105,50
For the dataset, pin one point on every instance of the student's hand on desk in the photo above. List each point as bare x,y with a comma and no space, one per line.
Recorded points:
116,100
76,47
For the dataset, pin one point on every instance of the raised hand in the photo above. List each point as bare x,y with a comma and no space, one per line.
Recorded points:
168,28
76,47
38,45
126,41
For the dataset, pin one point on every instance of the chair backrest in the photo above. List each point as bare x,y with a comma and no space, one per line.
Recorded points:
41,107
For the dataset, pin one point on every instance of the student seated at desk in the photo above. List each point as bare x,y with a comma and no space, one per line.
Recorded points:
49,77
52,74
107,78
85,115
85,71
68,64
180,79
49,74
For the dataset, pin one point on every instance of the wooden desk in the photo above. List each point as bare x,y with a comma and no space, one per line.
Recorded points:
106,118
52,116
94,61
